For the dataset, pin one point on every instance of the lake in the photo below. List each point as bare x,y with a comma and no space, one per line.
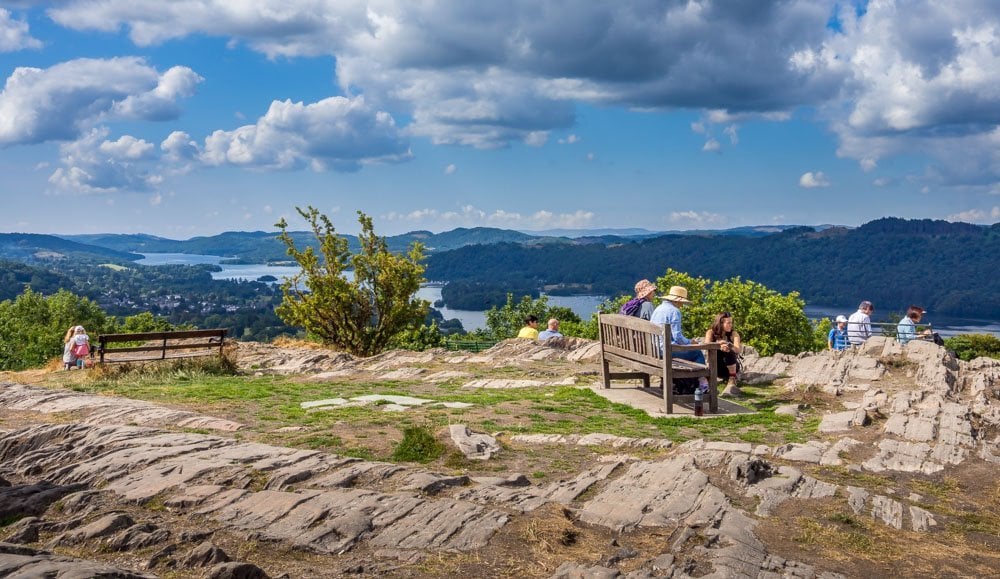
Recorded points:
247,272
582,306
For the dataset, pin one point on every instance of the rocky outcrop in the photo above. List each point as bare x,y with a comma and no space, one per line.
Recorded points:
19,561
888,409
95,409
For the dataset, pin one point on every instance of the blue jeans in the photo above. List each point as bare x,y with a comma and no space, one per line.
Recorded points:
691,356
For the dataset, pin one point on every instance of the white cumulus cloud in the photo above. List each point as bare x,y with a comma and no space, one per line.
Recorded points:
810,180
334,133
697,218
976,215
61,102
94,164
471,216
14,34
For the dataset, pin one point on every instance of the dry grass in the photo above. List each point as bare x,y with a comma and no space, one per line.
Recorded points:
287,342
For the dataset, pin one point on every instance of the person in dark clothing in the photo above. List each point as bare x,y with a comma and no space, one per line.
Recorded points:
730,348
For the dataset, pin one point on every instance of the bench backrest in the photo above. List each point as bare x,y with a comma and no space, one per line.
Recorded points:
190,342
633,338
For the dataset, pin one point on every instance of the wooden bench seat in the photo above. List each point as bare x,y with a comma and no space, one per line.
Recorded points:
637,345
160,345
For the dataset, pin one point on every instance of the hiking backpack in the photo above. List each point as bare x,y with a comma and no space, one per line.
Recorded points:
631,307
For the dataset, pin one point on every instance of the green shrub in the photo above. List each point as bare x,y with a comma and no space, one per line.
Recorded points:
969,346
506,321
418,445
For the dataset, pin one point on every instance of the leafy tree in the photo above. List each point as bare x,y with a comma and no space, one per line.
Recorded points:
506,321
360,315
970,346
145,322
32,326
767,320
418,338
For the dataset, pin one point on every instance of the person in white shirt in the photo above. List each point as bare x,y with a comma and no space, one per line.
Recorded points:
859,325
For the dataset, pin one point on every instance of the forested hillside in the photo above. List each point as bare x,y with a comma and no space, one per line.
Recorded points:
949,268
264,247
33,247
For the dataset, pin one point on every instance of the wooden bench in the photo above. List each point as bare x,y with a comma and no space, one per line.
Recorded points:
636,344
180,344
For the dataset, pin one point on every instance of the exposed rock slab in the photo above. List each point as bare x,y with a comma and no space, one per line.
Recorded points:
105,409
328,515
475,446
19,562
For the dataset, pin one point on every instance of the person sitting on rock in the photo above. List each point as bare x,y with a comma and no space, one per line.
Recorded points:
551,331
530,329
837,338
906,329
859,325
69,360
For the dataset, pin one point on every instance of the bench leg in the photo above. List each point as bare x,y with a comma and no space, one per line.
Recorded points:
606,373
667,379
713,384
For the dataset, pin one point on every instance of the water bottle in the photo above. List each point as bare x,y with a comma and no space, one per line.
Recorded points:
698,409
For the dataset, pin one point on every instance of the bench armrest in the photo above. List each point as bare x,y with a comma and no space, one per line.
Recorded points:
692,346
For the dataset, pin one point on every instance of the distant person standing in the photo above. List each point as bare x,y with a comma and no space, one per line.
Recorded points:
530,329
551,331
837,338
859,325
81,346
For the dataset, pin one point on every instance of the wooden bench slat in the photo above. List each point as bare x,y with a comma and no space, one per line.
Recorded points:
178,335
168,347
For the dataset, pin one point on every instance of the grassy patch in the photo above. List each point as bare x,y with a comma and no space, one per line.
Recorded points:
844,476
938,489
843,533
418,445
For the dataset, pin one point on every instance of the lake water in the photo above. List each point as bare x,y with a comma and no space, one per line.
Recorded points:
247,272
582,306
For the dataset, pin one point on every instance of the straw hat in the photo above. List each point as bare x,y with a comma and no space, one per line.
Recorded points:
644,289
678,294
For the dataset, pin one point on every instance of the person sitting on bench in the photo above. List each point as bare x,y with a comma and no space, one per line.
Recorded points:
669,313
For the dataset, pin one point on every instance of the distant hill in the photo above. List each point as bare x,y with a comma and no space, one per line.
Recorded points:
35,248
15,276
636,232
948,268
264,247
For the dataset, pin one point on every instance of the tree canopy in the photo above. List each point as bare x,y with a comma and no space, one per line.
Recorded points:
359,315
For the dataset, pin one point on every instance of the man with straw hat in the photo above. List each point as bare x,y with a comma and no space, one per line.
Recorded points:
669,313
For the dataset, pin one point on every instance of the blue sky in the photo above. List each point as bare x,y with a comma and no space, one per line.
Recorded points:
193,117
